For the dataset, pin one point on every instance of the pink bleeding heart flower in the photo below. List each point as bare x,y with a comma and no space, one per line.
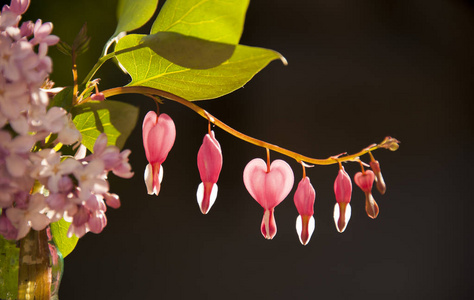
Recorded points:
365,181
379,182
268,185
159,134
343,191
304,202
209,161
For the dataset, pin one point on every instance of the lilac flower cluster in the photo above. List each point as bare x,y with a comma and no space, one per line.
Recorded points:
37,184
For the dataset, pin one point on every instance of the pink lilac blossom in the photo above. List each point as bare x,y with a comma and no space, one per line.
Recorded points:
73,188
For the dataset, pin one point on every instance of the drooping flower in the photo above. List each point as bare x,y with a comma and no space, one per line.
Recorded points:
209,161
379,182
343,191
268,185
159,134
365,181
304,202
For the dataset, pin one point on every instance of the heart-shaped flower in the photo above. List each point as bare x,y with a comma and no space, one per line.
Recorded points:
268,185
365,181
159,134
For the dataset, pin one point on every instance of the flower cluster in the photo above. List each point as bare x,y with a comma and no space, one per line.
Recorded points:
37,184
268,183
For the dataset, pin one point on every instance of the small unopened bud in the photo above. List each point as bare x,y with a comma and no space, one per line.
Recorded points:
98,97
390,143
379,182
365,181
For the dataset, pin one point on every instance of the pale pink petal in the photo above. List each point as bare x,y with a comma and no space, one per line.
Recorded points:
97,222
371,206
343,187
268,189
379,181
19,7
50,40
39,221
23,229
304,197
112,200
268,226
160,139
209,159
100,143
15,215
81,152
22,144
36,203
20,125
16,165
365,180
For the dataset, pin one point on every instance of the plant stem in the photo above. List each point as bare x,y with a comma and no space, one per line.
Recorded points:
298,157
105,58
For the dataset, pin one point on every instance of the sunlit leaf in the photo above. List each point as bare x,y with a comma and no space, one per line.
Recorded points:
187,51
213,20
133,14
147,68
63,99
116,119
64,244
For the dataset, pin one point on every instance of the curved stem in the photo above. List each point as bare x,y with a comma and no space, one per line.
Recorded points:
105,58
298,157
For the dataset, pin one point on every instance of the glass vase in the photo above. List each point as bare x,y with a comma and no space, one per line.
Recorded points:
30,268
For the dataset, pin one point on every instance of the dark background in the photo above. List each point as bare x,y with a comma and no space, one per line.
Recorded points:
358,71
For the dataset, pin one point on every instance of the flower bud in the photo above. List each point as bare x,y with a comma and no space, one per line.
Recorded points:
343,192
379,182
209,161
365,181
304,202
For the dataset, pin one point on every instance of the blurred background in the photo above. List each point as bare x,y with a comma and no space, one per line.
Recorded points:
358,71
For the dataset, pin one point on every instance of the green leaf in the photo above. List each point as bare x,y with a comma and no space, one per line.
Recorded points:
133,14
63,99
116,119
187,51
213,20
147,68
64,244
9,255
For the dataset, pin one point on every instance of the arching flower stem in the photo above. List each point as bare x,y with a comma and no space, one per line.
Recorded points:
387,143
268,160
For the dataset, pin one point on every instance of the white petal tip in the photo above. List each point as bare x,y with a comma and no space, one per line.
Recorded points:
305,235
341,223
200,195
